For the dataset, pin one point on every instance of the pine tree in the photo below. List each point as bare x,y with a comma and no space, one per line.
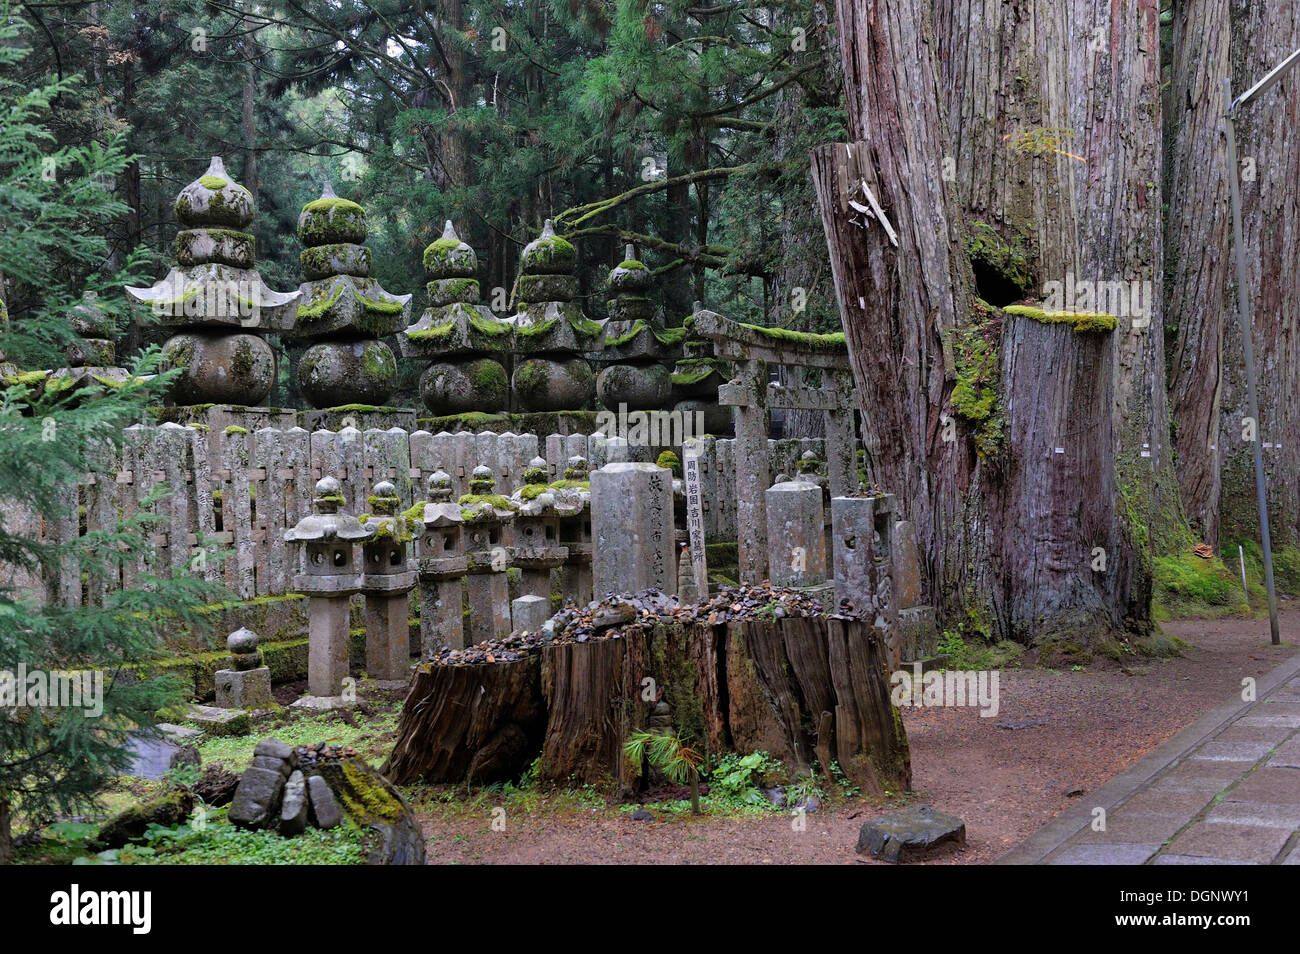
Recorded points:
54,208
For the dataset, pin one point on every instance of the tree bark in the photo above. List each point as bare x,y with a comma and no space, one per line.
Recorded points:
468,723
1011,536
1214,39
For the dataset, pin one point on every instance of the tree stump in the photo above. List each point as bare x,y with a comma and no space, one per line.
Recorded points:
801,689
469,723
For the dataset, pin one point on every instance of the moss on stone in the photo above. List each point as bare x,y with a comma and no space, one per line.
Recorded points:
323,299
212,182
379,306
489,326
802,339
235,429
433,333
638,326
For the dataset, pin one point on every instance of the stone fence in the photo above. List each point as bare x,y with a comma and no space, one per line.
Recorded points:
238,490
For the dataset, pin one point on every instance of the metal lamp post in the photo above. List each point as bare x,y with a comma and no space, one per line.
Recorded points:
1234,108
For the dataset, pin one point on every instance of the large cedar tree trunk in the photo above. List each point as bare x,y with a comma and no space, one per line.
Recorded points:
1010,526
1212,40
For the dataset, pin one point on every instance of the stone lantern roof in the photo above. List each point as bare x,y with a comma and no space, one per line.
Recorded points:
327,523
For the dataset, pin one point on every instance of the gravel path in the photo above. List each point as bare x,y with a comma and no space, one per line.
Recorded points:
1056,733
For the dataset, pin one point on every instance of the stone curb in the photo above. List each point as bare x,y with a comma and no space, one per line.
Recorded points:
1035,849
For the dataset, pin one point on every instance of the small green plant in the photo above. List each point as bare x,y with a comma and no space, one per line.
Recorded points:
739,776
678,761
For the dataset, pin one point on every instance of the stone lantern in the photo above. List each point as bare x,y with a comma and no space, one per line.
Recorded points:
573,508
537,547
387,581
442,563
488,521
329,573
246,682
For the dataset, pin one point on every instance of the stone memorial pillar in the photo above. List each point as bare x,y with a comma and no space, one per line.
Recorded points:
387,581
247,683
632,529
796,534
488,520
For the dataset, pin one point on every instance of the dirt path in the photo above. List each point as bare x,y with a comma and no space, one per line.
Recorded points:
1056,732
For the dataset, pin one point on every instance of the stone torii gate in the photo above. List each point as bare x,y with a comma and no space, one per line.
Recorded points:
823,382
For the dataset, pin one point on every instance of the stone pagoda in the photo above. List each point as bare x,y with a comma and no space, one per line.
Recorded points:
465,342
214,299
343,311
697,377
638,349
550,330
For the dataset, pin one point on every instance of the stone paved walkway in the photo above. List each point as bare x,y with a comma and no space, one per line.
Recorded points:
1225,790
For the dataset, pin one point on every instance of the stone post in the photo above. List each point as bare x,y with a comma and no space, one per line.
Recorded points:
861,527
442,564
796,534
387,581
573,505
632,526
528,613
753,470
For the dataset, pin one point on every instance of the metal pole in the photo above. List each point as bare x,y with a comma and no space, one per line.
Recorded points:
1248,353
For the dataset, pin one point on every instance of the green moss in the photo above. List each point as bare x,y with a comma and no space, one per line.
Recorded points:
975,396
434,333
532,491
802,339
1083,322
567,484
543,328
438,253
381,307
212,182
496,500
333,205
489,326
632,265
638,326
1008,258
235,429
670,336
322,301
1188,585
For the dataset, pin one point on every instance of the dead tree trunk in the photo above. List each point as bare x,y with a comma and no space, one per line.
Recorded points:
593,699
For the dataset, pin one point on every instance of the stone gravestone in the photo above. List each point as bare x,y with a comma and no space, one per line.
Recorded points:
632,527
796,534
528,613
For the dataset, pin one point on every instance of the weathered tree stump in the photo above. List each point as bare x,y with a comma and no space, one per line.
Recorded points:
592,692
802,689
469,723
806,688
